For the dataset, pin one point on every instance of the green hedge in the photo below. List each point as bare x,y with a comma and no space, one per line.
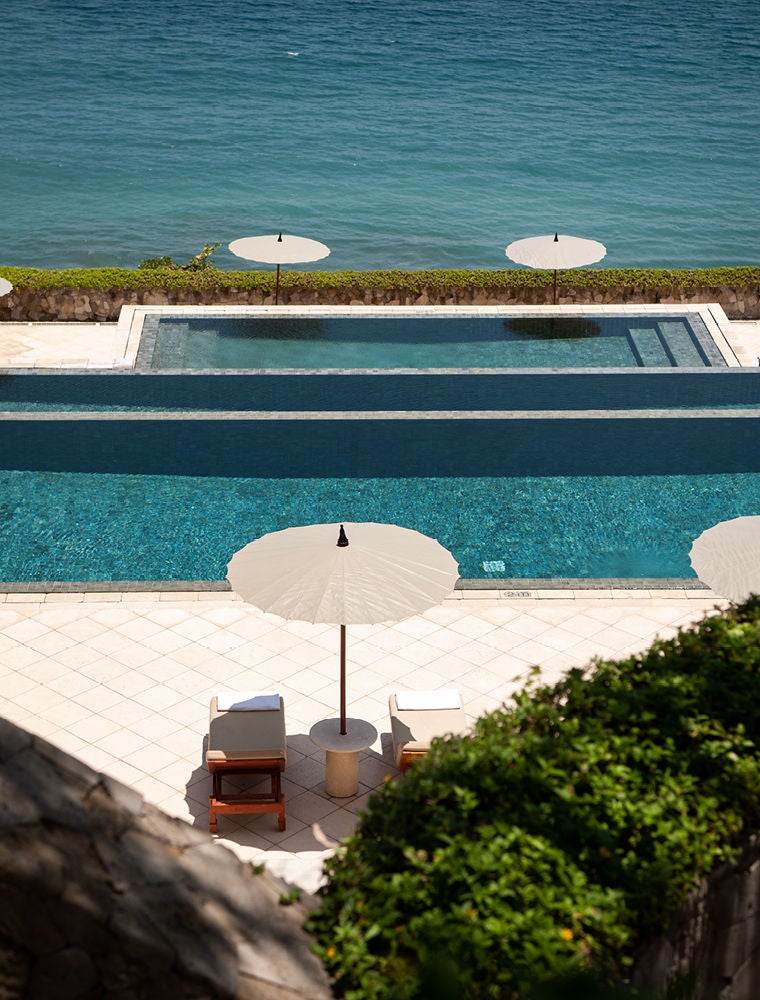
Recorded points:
412,282
562,836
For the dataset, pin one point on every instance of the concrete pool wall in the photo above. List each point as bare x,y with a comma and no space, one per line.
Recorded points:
385,445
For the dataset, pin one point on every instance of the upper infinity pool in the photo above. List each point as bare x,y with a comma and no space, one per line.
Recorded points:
423,341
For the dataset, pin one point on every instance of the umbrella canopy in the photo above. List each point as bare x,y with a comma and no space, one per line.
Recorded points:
555,253
353,574
727,558
5,286
279,249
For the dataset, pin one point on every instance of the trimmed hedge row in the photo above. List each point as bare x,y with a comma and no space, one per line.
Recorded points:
561,837
411,282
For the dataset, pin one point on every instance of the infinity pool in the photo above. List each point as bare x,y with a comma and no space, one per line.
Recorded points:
425,341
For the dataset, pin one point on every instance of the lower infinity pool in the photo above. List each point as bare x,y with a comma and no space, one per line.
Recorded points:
93,527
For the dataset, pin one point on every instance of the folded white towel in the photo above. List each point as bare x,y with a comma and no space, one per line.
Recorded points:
248,701
416,701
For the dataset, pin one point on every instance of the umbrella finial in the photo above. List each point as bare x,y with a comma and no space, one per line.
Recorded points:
556,238
279,238
342,540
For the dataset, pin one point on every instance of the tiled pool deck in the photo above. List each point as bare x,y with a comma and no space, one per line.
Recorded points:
123,680
115,345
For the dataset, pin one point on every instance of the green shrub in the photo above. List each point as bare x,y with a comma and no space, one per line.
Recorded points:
200,262
562,835
156,263
198,273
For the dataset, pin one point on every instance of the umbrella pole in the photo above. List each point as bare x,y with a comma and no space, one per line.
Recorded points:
555,286
343,680
277,286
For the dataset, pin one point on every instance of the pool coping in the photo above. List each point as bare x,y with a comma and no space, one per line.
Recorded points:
132,318
479,589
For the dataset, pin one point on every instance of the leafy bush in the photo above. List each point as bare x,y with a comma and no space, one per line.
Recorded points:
156,263
200,262
164,273
562,835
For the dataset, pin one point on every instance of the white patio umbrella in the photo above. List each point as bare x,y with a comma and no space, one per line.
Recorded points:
279,249
5,286
353,574
727,558
555,253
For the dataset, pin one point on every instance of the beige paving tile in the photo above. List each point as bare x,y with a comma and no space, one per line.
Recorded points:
122,742
151,759
124,772
25,629
471,625
130,683
40,699
158,698
155,728
137,628
106,642
109,616
69,686
311,807
44,670
68,741
81,629
93,729
78,656
19,656
65,713
167,617
95,756
162,668
97,698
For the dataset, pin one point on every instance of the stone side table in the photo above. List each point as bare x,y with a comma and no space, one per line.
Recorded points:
342,752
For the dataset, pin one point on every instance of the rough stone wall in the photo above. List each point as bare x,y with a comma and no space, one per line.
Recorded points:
714,942
98,305
104,896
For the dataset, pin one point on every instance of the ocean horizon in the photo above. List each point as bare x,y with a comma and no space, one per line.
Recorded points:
402,136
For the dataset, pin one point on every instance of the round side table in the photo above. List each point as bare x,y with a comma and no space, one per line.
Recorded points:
342,752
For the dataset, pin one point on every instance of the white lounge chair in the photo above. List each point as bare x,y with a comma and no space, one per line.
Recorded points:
246,736
417,717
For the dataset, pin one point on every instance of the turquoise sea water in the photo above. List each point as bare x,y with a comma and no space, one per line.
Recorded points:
402,135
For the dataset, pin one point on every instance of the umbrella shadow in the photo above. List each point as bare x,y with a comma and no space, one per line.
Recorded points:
326,817
552,327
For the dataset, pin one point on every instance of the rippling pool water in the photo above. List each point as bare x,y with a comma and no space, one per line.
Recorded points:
81,526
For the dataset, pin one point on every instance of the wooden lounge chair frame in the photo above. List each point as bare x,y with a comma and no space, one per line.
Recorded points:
226,756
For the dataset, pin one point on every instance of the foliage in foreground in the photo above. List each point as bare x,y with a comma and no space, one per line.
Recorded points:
561,836
199,273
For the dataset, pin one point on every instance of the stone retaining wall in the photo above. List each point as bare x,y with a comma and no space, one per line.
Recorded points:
98,305
713,945
104,896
